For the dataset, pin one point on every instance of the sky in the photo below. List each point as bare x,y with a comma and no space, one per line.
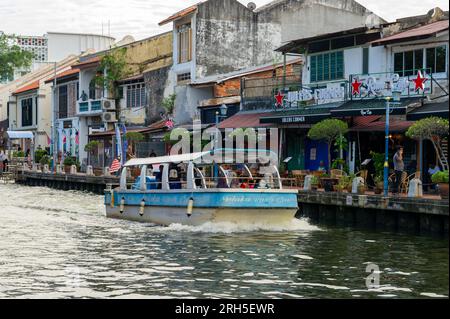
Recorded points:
140,18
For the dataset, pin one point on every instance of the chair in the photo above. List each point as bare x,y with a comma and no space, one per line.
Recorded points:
299,177
404,186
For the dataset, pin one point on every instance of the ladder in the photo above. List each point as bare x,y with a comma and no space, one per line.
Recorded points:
443,149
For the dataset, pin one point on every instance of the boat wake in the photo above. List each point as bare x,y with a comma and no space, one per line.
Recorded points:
229,228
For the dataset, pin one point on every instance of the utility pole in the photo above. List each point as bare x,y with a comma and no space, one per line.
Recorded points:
54,144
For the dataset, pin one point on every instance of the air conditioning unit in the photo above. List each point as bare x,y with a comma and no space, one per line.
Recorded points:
109,105
109,117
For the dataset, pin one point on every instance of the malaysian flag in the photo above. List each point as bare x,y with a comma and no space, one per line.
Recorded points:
115,166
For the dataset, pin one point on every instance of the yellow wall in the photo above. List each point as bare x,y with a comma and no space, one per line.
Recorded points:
150,54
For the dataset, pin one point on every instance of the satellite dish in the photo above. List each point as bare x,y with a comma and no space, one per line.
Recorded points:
251,6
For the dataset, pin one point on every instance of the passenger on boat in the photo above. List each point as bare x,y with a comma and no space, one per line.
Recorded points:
158,176
174,179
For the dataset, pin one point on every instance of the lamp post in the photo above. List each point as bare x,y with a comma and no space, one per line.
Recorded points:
219,115
386,149
396,97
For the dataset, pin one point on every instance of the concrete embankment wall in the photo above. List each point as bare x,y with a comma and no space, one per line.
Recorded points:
406,215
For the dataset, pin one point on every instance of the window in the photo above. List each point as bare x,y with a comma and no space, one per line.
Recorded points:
136,95
409,62
328,66
62,101
27,111
436,59
183,77
184,43
365,65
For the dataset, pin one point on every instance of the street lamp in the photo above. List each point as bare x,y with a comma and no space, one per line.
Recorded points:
396,94
386,149
219,115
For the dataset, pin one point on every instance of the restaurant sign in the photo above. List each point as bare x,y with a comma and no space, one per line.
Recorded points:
384,84
307,95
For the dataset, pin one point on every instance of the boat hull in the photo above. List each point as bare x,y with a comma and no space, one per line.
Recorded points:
177,215
166,208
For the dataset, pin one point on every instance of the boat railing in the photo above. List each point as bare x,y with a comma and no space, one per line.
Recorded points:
239,182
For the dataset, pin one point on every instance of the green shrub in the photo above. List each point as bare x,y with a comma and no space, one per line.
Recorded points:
18,154
44,160
38,155
314,180
440,177
69,161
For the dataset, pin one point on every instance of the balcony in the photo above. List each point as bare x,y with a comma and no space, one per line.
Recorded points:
89,107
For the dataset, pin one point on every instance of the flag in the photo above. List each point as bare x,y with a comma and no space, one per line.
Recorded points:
115,166
118,143
49,140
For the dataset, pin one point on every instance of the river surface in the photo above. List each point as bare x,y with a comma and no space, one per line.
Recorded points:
56,244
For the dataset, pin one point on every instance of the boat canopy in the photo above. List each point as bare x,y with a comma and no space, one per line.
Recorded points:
219,156
20,134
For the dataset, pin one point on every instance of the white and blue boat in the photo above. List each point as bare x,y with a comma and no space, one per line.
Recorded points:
196,199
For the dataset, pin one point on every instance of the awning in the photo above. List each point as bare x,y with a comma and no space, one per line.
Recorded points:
155,127
427,110
244,120
310,115
378,124
20,134
377,106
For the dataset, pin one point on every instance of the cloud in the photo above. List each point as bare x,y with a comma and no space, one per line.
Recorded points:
140,18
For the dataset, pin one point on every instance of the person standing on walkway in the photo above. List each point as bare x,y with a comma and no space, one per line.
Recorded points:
399,167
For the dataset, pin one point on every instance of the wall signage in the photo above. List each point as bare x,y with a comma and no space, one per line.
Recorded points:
384,84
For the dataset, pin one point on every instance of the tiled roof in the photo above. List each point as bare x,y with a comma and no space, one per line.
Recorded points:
29,87
180,14
423,31
64,74
395,125
155,127
243,120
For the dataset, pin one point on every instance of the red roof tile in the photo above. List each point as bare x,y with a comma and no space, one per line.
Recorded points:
368,124
179,14
64,74
244,120
423,31
29,87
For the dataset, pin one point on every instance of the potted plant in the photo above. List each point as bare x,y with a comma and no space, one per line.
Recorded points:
68,162
441,178
379,184
314,183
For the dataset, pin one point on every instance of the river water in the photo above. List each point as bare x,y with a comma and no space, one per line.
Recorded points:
56,244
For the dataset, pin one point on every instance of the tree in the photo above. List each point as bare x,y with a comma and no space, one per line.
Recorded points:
432,129
12,57
328,130
91,148
113,67
169,103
